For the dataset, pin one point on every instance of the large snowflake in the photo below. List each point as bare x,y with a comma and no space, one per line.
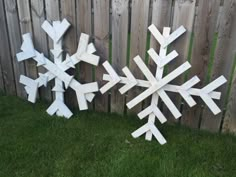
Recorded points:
57,70
157,85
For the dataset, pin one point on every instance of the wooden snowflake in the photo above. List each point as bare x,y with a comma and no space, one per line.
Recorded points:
57,69
157,86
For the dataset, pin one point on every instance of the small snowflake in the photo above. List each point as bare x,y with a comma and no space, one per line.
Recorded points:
157,85
57,69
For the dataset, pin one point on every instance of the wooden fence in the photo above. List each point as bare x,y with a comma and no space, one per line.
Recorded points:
119,30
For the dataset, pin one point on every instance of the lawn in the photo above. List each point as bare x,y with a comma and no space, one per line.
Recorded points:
33,144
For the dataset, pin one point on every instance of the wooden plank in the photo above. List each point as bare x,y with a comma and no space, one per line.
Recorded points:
68,11
184,11
138,38
223,61
120,13
158,74
112,74
57,47
84,17
26,27
40,41
167,87
84,25
204,30
161,17
52,14
15,43
101,34
5,55
229,124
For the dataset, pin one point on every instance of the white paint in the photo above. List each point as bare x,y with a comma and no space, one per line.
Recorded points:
115,78
56,70
157,86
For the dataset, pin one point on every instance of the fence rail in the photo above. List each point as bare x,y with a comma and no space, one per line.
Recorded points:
119,30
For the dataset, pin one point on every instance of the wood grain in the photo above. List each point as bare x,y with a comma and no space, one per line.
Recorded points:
15,43
204,31
84,25
223,61
184,11
52,14
26,27
138,38
119,49
229,124
68,11
5,56
40,41
161,17
101,35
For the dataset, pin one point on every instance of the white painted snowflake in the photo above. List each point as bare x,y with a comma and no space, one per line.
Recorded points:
57,69
157,85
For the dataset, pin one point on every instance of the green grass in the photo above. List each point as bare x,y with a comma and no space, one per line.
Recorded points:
33,144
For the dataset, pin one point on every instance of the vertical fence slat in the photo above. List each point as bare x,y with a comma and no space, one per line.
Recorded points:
161,17
84,17
40,40
119,48
138,38
15,43
26,27
223,61
5,55
84,25
52,14
69,43
101,34
204,31
2,88
68,12
184,12
229,124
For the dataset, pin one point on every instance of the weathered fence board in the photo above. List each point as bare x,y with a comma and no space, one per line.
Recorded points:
204,31
223,61
5,55
26,27
101,34
40,40
68,11
15,42
52,13
183,14
84,25
161,17
138,38
119,48
229,124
